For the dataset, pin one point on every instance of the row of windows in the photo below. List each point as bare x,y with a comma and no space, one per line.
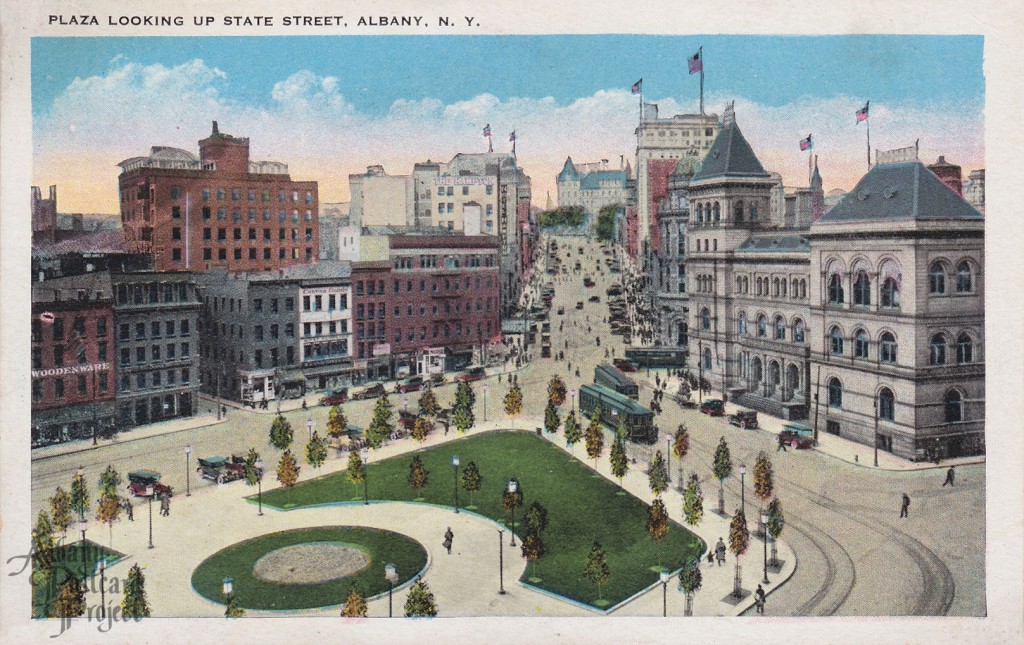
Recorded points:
152,293
222,234
450,190
156,354
938,347
473,261
148,380
889,297
779,326
257,356
81,384
157,329
257,304
236,215
236,194
795,288
705,243
953,402
58,356
939,272
78,327
443,330
316,329
711,212
222,254
481,305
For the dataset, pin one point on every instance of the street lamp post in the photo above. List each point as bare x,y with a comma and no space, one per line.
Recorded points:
228,589
405,403
103,581
665,577
391,575
309,427
484,388
501,561
764,520
572,395
743,489
259,482
365,454
513,487
149,494
83,525
188,477
455,469
668,458
81,513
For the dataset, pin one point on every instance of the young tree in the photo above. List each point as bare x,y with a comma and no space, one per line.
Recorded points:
252,473
619,460
536,518
60,509
110,482
356,471
572,429
776,522
657,520
693,502
681,446
722,470
43,544
621,433
511,502
689,583
417,474
316,450
428,403
595,438
70,601
355,605
337,422
281,433
763,483
551,420
108,511
532,548
232,610
514,400
79,496
421,428
471,479
596,568
287,470
420,601
463,419
463,409
134,603
556,390
381,427
739,540
657,477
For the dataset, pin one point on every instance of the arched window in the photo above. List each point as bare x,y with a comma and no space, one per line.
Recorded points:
707,359
803,289
890,293
762,325
716,214
741,324
835,289
782,285
887,348
964,277
836,341
753,211
775,287
862,289
780,328
886,404
860,344
937,279
700,213
835,393
738,211
795,288
798,331
964,349
705,320
938,350
954,407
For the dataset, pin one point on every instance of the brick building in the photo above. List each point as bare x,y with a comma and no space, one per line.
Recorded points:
218,210
72,371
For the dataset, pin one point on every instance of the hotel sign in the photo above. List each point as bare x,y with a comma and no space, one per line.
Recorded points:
73,369
464,181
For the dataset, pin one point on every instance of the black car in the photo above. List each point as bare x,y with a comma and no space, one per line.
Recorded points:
745,419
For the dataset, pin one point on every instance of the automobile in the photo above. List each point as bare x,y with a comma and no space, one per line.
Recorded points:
370,392
713,407
797,435
579,305
473,374
139,480
745,419
588,282
561,311
221,469
334,397
624,364
594,298
437,379
411,384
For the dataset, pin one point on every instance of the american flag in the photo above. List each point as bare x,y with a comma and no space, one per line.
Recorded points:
805,144
696,62
862,114
487,130
637,87
512,136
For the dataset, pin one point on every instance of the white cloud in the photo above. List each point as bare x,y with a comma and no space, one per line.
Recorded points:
307,122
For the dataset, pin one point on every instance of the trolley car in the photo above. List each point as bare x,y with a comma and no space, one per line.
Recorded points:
612,378
638,420
656,357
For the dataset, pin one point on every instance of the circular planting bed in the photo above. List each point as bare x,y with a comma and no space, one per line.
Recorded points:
308,568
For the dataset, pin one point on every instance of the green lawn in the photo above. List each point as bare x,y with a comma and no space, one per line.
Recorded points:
80,561
582,507
237,560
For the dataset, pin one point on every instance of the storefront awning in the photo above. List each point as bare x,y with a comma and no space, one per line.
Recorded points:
328,370
73,414
291,376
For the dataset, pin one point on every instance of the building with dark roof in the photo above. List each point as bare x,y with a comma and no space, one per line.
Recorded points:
592,186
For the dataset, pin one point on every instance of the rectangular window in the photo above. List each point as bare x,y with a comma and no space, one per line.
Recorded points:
140,354
58,385
140,381
104,384
185,374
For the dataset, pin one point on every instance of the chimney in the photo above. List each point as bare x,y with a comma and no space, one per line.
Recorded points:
215,130
53,193
949,173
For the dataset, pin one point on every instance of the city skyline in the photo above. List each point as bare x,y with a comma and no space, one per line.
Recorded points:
312,107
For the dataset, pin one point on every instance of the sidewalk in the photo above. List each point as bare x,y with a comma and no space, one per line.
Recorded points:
833,446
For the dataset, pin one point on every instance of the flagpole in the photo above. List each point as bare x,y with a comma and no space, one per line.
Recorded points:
810,172
700,50
868,119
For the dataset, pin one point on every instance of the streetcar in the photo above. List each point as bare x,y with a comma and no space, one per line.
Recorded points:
639,421
656,357
612,378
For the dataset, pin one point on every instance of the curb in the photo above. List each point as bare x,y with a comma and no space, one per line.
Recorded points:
125,441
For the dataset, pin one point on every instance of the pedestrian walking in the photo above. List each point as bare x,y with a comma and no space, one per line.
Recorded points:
128,509
448,537
759,599
905,509
949,477
165,505
720,552
711,557
782,445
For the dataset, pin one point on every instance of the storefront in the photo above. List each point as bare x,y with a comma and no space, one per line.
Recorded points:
57,425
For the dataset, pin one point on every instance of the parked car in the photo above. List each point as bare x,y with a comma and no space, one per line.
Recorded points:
797,435
437,379
370,392
594,298
561,311
221,469
624,364
411,384
579,305
139,480
713,407
334,397
745,419
473,374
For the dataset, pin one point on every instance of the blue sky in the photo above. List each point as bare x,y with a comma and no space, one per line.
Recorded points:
420,97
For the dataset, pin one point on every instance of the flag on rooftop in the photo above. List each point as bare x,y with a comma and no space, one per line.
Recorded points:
805,144
696,62
637,87
512,136
862,114
487,130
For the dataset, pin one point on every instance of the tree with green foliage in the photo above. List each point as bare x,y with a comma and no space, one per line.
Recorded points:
428,403
556,390
382,425
316,450
134,604
514,400
595,438
621,433
681,446
70,601
573,433
337,422
43,544
776,522
693,502
596,568
356,471
110,482
605,228
657,521
79,496
462,417
418,474
657,476
619,461
689,583
764,484
287,470
532,548
281,433
511,502
572,216
355,605
551,420
420,601
421,428
232,610
471,479
252,473
723,470
60,509
739,540
535,518
108,511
